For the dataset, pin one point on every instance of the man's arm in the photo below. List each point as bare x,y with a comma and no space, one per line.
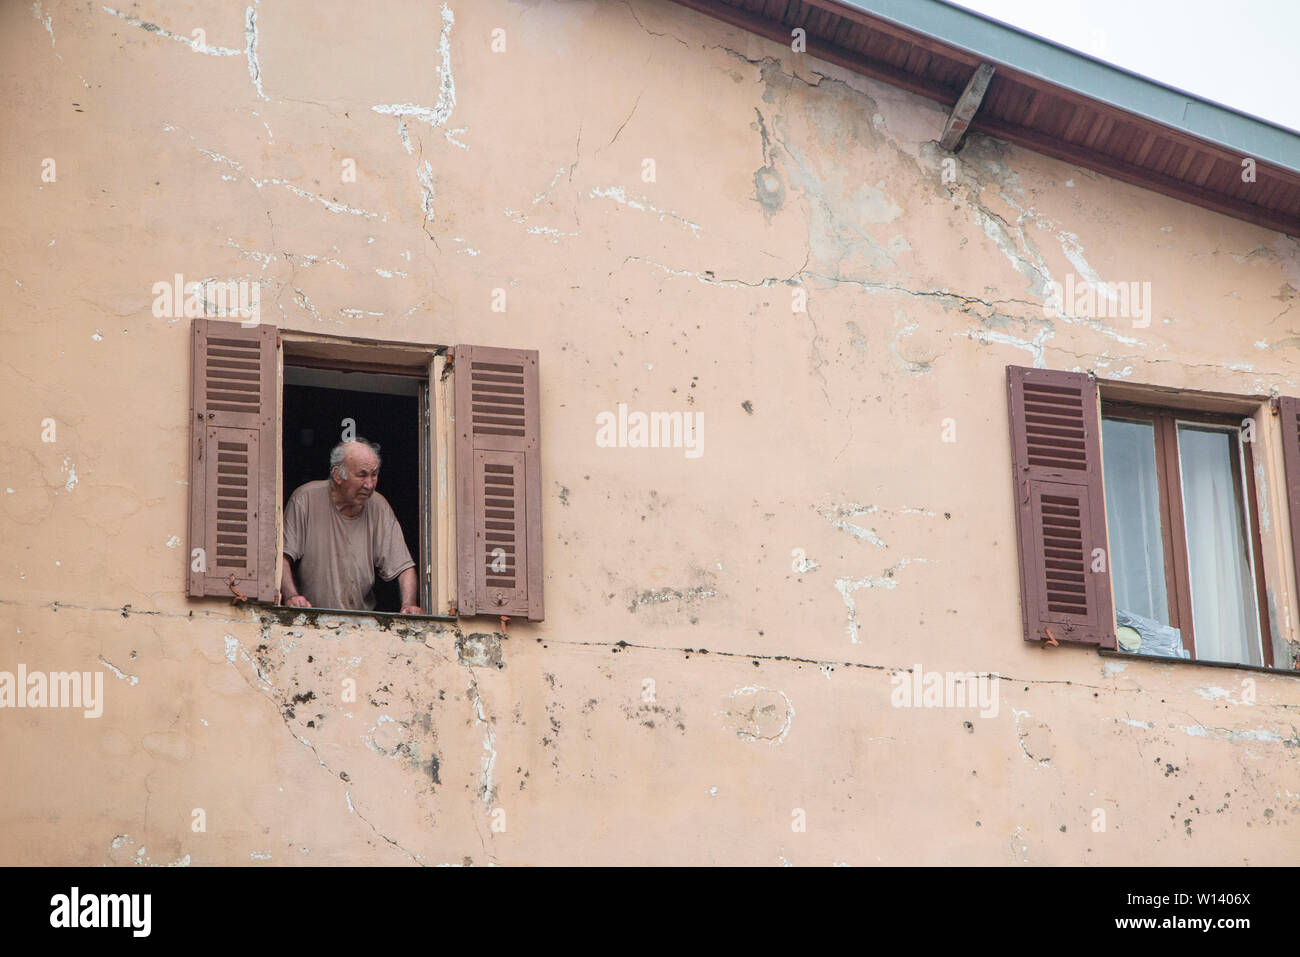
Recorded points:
406,581
289,594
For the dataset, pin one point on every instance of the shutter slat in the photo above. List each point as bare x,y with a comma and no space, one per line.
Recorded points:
1060,506
498,482
232,480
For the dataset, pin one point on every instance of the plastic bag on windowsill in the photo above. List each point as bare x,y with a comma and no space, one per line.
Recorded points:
1146,636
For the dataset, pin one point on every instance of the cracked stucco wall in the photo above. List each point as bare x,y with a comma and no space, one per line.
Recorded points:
715,668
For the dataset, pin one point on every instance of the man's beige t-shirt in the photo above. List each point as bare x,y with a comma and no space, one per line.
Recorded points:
337,555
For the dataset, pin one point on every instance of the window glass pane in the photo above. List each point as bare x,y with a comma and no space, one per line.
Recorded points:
1137,556
1224,614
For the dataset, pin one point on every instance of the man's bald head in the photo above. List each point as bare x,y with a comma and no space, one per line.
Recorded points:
354,473
348,457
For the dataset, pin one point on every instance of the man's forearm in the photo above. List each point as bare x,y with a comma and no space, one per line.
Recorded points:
409,587
287,587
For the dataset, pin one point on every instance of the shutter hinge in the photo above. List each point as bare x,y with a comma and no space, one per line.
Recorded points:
1275,405
448,365
1050,639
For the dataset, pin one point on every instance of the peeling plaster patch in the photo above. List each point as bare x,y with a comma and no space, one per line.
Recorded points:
389,274
250,50
72,474
348,796
1212,693
47,21
424,173
1146,725
130,679
847,586
180,862
518,217
1258,735
440,114
838,516
1111,668
767,717
121,840
1034,347
264,258
618,195
329,204
189,42
661,595
1038,735
97,337
232,648
1017,841
308,261
489,760
995,228
360,313
405,136
173,542
259,856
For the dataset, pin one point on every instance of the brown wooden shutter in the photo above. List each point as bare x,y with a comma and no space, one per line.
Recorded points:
498,482
1060,506
1289,412
233,468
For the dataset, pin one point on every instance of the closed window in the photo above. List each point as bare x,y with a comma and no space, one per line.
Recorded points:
1140,524
1180,507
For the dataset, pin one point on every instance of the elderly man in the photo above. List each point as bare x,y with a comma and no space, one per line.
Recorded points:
341,531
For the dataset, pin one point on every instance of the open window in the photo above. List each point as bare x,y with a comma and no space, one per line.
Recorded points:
1139,518
323,406
459,436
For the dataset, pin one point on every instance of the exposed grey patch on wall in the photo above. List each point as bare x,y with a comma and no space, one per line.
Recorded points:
480,650
769,190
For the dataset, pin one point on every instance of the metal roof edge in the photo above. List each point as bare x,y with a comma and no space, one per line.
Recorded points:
1017,49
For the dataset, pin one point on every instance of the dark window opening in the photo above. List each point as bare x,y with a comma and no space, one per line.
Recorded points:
384,409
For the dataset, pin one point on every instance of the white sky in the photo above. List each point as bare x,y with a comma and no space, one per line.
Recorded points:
1242,53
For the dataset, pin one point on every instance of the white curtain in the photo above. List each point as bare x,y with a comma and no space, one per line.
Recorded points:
1224,610
1133,518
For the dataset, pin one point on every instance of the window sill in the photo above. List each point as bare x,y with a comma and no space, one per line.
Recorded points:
289,615
1165,659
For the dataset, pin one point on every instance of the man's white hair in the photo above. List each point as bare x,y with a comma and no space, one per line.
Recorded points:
339,453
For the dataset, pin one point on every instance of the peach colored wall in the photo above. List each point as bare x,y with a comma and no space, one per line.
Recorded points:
522,170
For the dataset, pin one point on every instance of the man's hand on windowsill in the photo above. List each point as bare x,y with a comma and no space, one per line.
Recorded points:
297,601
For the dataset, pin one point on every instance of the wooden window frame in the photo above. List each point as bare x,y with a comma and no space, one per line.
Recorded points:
1173,528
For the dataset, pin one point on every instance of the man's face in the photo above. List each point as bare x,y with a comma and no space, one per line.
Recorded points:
363,475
